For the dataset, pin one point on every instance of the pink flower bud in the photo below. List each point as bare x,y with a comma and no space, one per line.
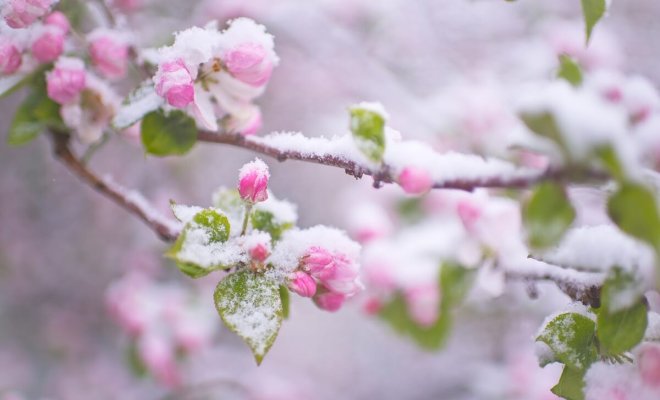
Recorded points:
329,301
59,20
302,284
372,306
22,13
249,63
336,272
316,260
649,364
158,355
49,45
128,5
259,252
415,180
109,56
65,82
175,83
10,57
423,304
469,214
253,181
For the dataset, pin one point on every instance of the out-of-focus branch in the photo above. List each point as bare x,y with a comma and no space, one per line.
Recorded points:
578,285
133,202
384,173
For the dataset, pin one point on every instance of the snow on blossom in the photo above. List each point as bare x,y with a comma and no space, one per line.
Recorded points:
224,71
93,112
22,13
253,181
617,382
67,80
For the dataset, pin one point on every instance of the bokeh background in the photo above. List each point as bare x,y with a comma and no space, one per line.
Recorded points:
429,62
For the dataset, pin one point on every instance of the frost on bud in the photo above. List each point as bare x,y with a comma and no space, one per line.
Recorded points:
58,20
109,54
253,181
302,284
175,83
66,81
10,56
49,45
22,13
649,364
328,301
415,180
249,63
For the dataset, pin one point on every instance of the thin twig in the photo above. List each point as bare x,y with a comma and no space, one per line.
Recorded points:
384,174
166,229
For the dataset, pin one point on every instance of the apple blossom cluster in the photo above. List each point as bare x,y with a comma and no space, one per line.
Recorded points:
252,235
163,321
216,75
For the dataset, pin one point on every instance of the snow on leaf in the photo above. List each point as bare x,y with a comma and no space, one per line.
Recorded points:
250,305
571,338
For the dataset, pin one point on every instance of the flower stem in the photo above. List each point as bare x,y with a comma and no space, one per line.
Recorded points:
248,208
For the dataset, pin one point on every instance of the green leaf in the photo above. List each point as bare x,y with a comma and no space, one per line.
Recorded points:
610,161
569,70
163,134
215,224
570,385
623,316
34,115
216,228
571,337
368,129
633,208
593,11
547,215
265,221
250,305
284,296
545,125
454,283
137,366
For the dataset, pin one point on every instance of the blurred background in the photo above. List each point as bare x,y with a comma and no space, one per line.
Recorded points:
441,69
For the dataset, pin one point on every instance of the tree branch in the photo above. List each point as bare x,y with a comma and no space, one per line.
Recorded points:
133,202
384,173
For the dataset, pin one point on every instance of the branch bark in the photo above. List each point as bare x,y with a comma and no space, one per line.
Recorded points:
132,202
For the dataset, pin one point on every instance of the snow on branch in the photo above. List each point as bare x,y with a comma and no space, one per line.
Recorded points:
132,201
448,170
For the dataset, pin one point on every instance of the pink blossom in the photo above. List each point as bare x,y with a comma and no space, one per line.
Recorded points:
128,5
249,63
336,271
253,181
109,55
66,80
175,83
423,303
10,57
302,284
415,180
59,20
372,306
649,364
259,252
329,301
22,13
469,212
49,45
158,355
